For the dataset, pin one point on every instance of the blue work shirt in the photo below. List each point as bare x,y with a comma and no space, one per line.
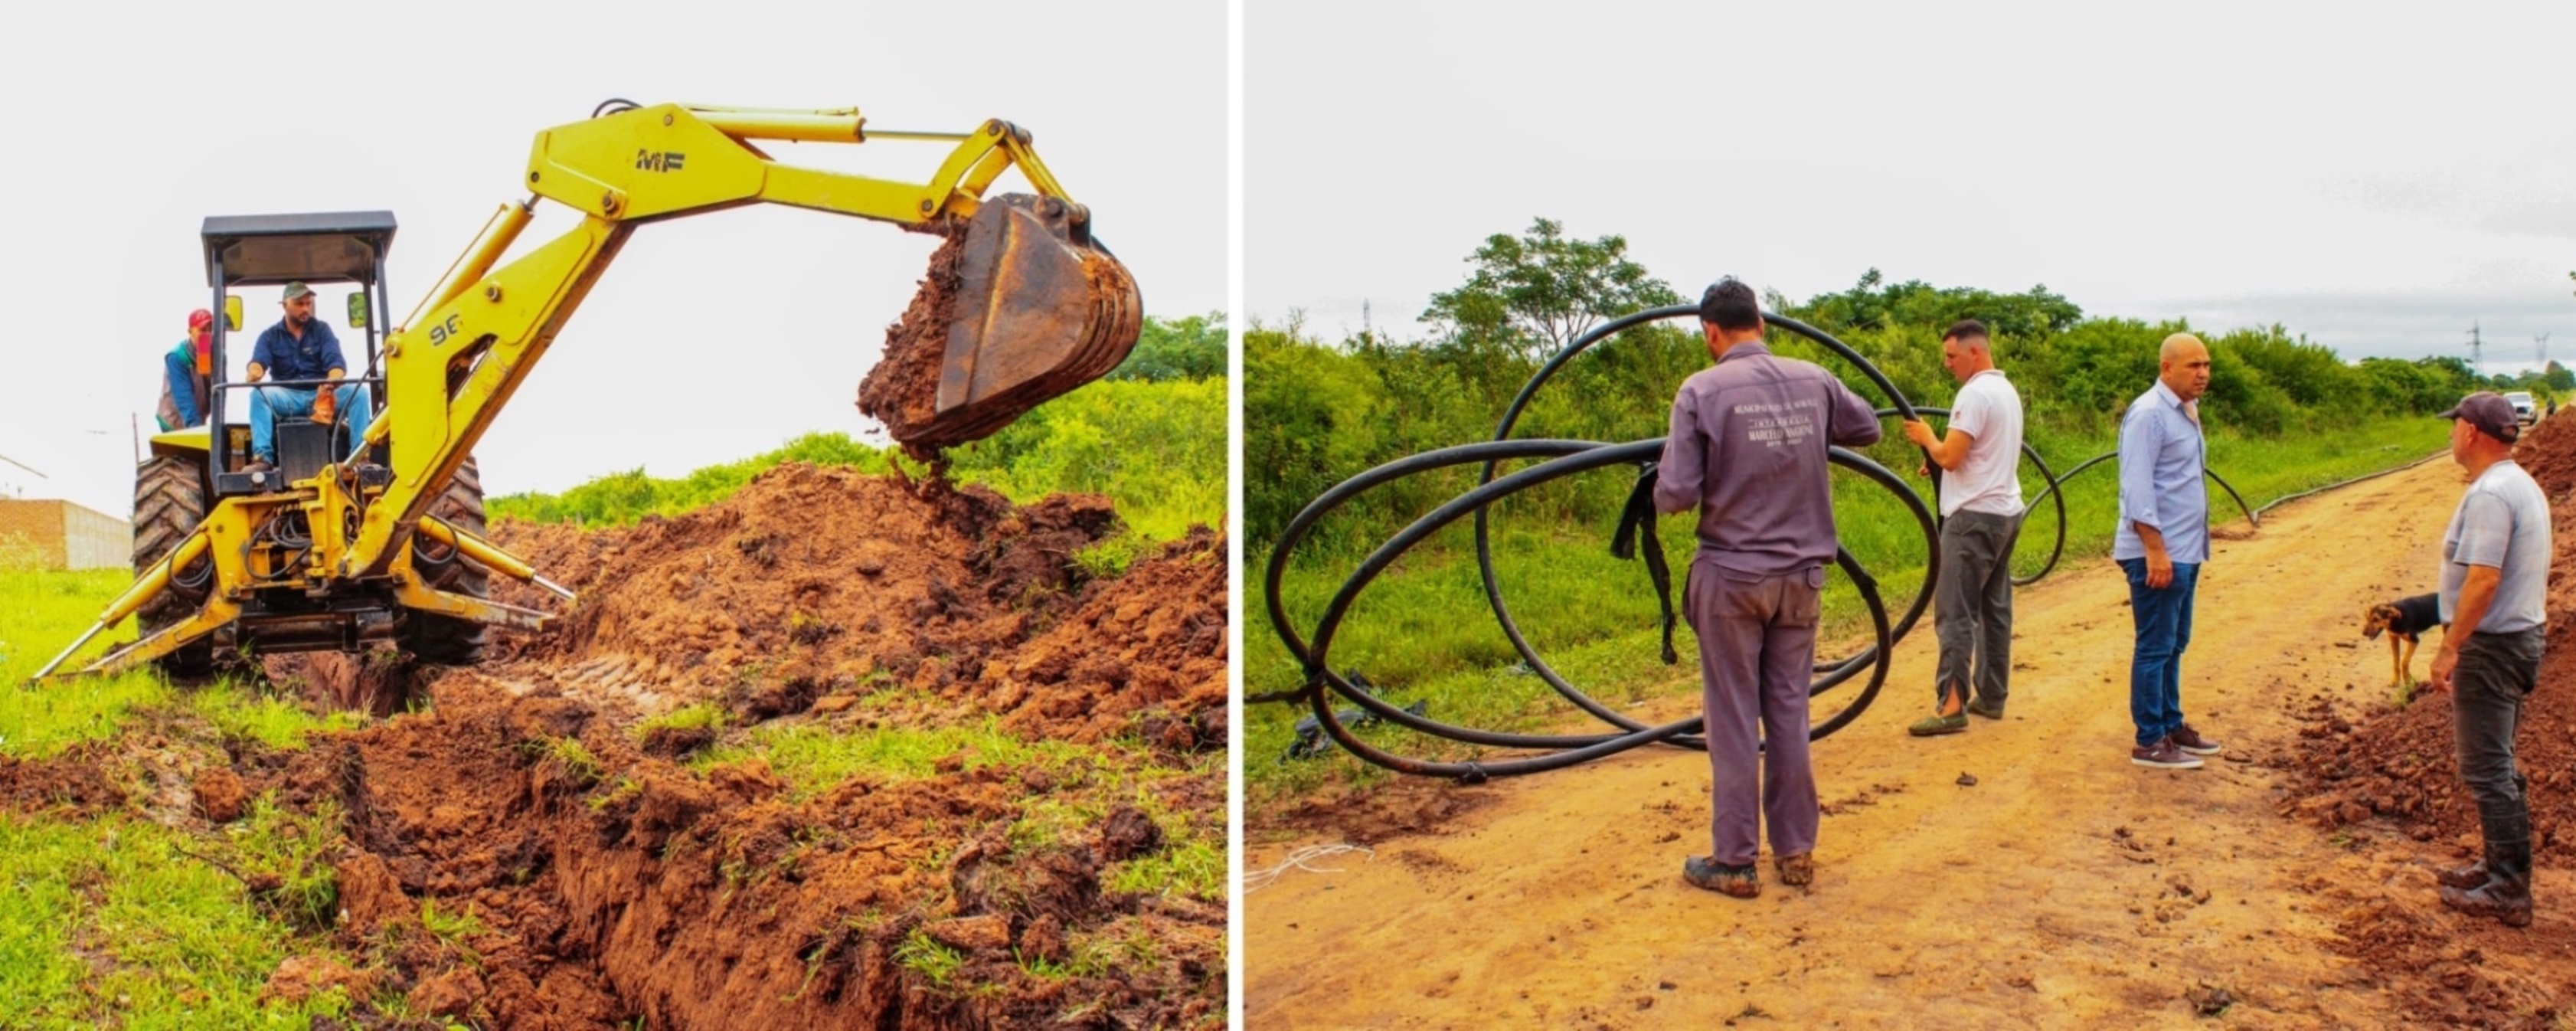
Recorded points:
2161,458
288,358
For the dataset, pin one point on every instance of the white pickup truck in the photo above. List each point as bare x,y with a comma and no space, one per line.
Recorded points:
2524,408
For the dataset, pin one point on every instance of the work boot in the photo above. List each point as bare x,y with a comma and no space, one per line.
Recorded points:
1797,871
1741,882
2506,895
2470,876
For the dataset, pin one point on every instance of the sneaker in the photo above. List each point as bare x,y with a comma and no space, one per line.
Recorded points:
1978,707
1932,725
2163,755
1798,870
1741,882
2189,740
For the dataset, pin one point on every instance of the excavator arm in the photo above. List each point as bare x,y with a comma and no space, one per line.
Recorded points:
1038,308
1020,305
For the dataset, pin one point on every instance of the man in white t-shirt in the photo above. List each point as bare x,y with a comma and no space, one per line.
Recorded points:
1981,514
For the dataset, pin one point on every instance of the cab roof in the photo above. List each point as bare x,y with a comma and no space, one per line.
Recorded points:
325,247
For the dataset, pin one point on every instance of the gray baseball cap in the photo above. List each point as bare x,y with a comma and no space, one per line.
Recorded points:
2490,413
295,290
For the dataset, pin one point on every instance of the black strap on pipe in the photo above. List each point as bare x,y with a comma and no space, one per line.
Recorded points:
1636,521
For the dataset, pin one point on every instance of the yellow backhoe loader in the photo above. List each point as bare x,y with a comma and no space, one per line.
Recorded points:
354,544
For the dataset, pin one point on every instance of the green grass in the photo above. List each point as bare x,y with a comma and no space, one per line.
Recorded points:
241,713
703,715
813,758
1423,630
45,612
291,849
1192,858
569,759
109,923
453,928
935,962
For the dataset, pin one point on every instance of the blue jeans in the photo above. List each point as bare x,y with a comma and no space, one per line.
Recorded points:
267,403
2164,630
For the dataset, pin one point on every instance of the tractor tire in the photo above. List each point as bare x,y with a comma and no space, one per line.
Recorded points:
428,636
169,502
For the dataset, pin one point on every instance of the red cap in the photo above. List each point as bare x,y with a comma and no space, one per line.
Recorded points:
200,319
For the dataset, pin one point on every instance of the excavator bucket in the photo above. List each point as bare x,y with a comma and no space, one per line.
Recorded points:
1020,307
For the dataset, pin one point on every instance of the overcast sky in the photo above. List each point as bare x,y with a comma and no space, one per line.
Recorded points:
2376,177
709,339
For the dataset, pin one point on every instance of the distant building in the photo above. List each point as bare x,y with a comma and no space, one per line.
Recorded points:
62,535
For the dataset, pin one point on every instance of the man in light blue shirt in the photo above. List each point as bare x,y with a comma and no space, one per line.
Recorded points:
2161,542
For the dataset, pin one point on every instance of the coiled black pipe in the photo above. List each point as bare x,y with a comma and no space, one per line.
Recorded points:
1565,458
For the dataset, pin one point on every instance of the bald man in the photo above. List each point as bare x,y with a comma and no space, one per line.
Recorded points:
2161,542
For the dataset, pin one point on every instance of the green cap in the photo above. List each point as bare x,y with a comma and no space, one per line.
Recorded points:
295,290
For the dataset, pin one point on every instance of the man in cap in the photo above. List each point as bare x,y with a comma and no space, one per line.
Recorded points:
1980,516
2495,585
186,372
2162,539
1748,447
300,347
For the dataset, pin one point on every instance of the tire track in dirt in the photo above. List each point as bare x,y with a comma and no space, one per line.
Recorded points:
2066,886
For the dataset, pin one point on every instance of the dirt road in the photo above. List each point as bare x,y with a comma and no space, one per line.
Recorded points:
2065,887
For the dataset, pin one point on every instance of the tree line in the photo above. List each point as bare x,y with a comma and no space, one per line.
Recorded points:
1317,411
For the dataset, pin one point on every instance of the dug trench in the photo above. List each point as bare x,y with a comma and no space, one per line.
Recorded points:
840,751
2021,874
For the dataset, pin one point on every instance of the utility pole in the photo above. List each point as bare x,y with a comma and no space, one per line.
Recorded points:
2477,353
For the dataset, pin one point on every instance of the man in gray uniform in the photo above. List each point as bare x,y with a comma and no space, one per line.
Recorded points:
2495,584
1980,516
1748,447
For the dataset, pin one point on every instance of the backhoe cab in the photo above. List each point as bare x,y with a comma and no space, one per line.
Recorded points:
351,544
191,493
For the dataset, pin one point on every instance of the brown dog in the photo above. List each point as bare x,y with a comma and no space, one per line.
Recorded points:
2405,620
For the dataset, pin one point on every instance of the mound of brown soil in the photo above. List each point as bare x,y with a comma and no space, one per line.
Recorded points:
820,581
521,854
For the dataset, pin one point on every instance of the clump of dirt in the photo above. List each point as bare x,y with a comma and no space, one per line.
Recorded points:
74,781
1383,812
902,391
